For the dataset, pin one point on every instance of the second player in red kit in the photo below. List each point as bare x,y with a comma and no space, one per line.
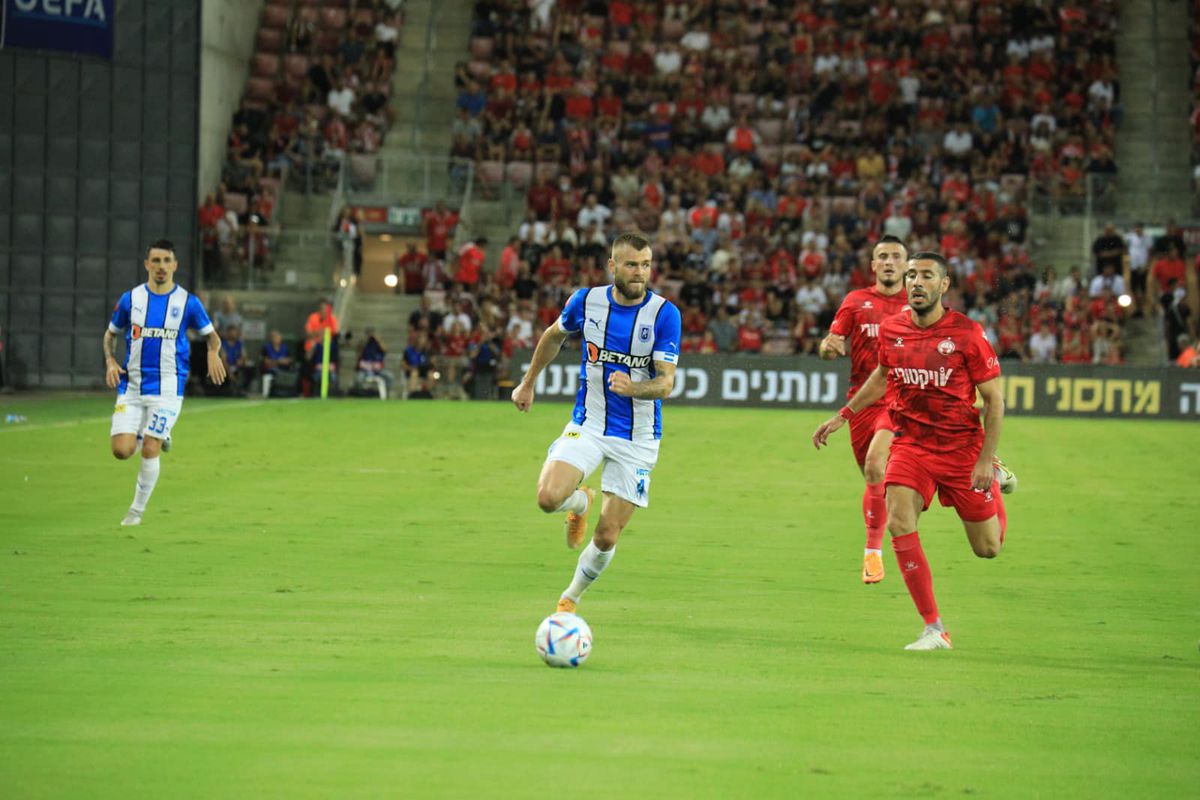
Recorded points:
858,320
932,361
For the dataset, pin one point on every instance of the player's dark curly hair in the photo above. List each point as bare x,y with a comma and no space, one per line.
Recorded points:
937,258
160,244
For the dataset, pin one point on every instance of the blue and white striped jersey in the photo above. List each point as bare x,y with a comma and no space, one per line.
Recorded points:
156,344
619,338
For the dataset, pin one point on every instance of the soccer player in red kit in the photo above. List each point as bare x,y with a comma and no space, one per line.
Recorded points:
932,360
858,319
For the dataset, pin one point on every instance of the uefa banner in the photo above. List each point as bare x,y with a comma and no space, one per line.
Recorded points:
809,382
72,26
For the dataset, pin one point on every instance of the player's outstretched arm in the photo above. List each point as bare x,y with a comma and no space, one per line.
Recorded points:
657,388
547,348
983,473
872,390
216,369
832,346
112,370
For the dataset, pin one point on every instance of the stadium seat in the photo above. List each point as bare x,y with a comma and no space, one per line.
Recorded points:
771,154
673,29
363,169
844,206
771,130
481,47
519,173
296,66
275,16
792,149
328,41
333,19
744,102
269,186
849,129
261,89
236,202
264,65
270,40
490,175
547,169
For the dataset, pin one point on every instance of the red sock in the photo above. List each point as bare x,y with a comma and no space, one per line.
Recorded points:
874,514
1000,512
917,576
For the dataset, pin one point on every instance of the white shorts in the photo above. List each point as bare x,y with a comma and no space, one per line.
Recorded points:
147,416
627,464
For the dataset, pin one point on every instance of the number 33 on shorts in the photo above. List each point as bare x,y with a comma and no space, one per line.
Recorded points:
161,421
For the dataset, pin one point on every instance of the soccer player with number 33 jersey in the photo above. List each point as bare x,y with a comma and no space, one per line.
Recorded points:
154,318
931,362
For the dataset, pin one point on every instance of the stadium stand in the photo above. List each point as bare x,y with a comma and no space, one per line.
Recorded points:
317,96
766,146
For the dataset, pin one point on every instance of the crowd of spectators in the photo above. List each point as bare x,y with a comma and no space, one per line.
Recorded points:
766,146
1194,118
318,93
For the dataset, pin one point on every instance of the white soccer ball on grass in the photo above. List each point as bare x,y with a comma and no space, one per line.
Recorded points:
563,640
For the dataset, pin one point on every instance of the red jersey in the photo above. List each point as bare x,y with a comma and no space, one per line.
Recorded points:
932,374
858,319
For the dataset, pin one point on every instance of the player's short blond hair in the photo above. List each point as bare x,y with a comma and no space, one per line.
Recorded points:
631,239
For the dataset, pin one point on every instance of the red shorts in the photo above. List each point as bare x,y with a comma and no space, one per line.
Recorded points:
924,471
863,426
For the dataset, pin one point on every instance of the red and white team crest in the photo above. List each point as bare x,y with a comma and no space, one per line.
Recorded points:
945,347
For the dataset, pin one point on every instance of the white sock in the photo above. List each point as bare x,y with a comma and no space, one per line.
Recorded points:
868,552
266,385
577,502
592,562
147,477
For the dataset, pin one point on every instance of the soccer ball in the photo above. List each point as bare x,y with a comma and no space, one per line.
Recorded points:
563,640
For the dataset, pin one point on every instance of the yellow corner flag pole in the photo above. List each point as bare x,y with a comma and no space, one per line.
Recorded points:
325,366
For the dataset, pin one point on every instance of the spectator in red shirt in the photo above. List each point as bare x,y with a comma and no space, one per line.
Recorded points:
742,139
541,197
554,269
411,267
470,262
210,213
750,333
510,256
1168,267
579,105
437,225
608,104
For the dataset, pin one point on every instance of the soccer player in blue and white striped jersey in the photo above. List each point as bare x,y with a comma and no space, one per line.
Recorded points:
630,351
154,318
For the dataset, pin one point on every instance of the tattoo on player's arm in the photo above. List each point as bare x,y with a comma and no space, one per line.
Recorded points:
659,387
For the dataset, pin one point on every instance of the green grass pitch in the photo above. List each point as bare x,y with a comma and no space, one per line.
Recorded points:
338,600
